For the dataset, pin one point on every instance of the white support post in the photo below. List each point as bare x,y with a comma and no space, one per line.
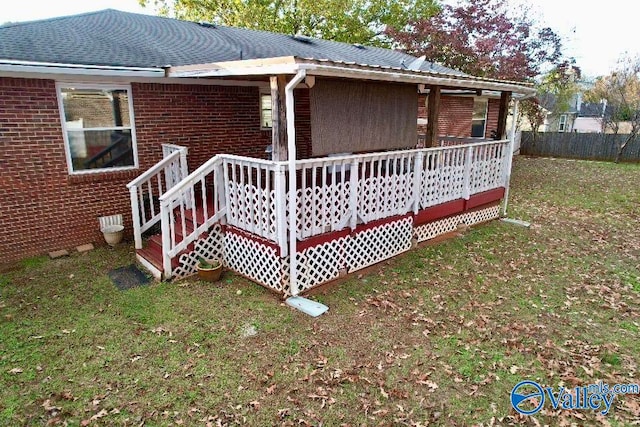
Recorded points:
466,190
166,238
184,172
509,160
353,193
281,208
184,167
220,188
418,165
291,146
135,216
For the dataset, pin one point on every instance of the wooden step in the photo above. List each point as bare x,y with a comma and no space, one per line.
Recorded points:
199,213
152,252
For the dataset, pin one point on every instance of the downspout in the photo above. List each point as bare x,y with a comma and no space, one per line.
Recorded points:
291,148
512,137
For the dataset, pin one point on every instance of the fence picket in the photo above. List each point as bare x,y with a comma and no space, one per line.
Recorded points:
587,146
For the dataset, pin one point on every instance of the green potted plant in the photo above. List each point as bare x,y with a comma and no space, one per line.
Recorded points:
209,270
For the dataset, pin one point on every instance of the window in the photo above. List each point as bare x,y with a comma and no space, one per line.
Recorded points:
479,119
562,123
266,117
98,127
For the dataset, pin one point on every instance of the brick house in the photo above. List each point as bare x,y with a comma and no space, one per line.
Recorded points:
93,102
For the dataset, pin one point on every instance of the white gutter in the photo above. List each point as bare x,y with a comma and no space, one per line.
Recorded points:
258,70
417,78
18,66
291,148
512,137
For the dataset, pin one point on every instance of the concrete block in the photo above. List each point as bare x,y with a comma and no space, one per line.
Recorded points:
58,254
85,248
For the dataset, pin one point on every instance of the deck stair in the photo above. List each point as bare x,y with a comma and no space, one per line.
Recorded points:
152,250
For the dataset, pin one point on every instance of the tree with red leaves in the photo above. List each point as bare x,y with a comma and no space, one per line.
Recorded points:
481,37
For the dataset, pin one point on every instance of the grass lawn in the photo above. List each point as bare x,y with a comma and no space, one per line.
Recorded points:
437,336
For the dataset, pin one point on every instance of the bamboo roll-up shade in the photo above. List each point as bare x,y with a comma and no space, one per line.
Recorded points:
355,116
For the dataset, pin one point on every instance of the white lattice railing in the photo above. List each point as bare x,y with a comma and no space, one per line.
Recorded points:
146,189
336,192
251,186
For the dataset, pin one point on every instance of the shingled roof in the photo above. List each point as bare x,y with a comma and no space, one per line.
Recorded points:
114,38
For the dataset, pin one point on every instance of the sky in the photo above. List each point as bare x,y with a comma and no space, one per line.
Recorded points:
596,36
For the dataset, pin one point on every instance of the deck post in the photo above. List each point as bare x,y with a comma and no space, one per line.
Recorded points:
509,160
279,118
166,238
184,172
293,217
433,112
503,112
280,187
135,216
417,180
353,193
220,195
466,189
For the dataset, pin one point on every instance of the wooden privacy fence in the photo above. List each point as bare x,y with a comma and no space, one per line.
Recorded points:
588,146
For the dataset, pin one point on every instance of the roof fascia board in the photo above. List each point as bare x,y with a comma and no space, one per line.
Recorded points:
393,76
240,71
158,78
80,70
231,66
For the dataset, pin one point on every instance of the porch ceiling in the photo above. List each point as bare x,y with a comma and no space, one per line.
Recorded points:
327,68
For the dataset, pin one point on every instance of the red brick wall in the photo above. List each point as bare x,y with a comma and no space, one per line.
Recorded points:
44,208
456,113
210,120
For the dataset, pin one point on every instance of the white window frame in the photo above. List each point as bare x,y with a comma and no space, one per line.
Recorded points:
486,115
132,127
562,123
264,92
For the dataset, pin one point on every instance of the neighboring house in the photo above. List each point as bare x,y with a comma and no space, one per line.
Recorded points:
589,119
557,119
187,116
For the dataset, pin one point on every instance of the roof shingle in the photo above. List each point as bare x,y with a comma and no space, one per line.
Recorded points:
115,38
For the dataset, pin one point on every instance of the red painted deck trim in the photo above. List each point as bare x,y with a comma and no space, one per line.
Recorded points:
250,236
335,235
377,223
322,238
439,211
484,198
453,207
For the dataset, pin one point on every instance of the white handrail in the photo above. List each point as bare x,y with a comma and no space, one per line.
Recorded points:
142,189
395,152
153,170
191,179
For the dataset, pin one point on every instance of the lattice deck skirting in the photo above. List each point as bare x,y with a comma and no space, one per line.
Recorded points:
254,260
446,225
324,262
208,248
